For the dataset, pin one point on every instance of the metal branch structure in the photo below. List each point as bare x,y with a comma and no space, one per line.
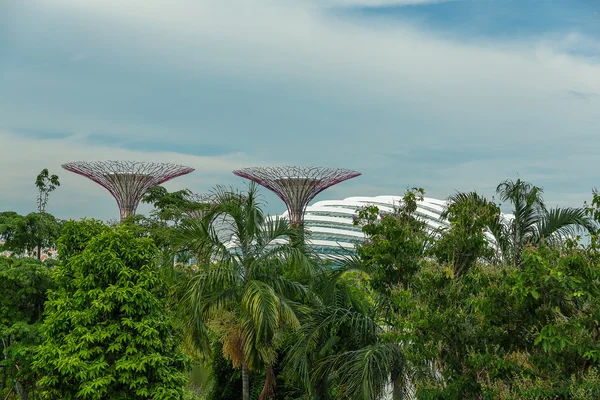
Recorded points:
296,186
127,181
202,203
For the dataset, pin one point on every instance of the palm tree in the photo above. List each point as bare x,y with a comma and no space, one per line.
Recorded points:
341,347
244,296
531,222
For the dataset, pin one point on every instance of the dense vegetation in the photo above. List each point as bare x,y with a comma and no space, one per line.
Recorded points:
485,308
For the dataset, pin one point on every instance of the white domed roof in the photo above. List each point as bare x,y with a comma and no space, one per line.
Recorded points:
332,233
330,228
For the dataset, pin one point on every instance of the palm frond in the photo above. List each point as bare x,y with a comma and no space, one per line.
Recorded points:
285,287
262,304
363,373
237,213
210,290
327,283
363,328
189,307
465,197
561,223
201,237
286,259
249,275
289,312
520,192
325,321
528,203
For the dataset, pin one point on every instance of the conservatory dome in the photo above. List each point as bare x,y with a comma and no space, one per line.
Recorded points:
329,223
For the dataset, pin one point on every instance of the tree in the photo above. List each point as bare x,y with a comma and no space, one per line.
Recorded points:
168,206
8,223
23,284
243,296
34,231
46,184
396,243
531,222
342,351
464,242
107,330
526,332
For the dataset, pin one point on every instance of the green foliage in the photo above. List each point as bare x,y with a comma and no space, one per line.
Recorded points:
226,380
343,351
471,331
504,332
170,208
340,351
173,206
395,242
23,284
514,319
465,242
8,223
107,331
531,222
592,210
162,233
76,236
25,233
167,206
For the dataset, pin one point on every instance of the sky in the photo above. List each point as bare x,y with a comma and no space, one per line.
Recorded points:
445,95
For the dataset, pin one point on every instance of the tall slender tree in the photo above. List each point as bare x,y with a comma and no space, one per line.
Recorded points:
46,184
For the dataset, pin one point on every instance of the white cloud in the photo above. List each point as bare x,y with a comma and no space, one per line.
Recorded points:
245,39
408,89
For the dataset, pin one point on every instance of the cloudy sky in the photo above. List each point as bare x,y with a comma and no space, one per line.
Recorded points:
446,95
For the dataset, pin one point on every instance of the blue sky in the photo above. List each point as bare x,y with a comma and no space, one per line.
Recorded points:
496,19
447,95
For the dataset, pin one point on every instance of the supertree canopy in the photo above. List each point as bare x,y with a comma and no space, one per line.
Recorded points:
296,186
127,181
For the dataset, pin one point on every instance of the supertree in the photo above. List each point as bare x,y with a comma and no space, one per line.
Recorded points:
127,181
296,186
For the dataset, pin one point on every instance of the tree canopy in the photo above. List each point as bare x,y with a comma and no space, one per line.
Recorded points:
23,285
107,331
29,233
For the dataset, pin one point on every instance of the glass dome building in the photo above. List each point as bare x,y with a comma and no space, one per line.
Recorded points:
329,223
